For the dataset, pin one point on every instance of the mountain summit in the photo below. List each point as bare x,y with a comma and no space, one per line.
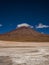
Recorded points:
25,34
24,25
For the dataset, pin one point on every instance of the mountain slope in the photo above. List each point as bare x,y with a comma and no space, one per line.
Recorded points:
25,34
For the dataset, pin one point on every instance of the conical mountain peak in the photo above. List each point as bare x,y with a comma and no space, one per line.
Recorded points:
25,34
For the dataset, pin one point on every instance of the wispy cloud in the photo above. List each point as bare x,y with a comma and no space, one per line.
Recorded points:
1,25
24,24
40,25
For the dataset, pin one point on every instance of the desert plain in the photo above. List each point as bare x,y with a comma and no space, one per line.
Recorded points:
24,53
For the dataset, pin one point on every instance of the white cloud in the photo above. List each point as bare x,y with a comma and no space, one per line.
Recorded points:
40,25
1,25
24,24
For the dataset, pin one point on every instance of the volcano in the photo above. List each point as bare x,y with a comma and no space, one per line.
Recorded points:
25,34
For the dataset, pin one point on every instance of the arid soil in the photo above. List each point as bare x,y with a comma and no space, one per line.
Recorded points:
35,54
22,44
5,60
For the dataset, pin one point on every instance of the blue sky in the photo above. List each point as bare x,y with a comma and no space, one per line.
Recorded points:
32,12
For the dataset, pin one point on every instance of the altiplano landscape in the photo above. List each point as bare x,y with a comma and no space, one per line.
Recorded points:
24,46
24,32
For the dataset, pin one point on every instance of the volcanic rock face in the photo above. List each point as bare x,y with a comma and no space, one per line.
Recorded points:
25,34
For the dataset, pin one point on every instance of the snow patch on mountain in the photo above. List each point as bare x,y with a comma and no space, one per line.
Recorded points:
24,24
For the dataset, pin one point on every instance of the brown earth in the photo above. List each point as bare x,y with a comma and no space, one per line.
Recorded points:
25,34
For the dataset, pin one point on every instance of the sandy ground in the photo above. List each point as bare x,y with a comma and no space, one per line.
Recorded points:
24,53
24,56
9,43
